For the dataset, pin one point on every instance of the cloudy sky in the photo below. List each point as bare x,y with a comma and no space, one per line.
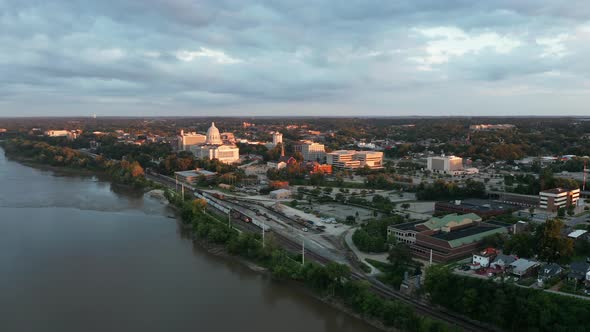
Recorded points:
294,57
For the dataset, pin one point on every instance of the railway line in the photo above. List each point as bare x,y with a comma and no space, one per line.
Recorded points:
296,247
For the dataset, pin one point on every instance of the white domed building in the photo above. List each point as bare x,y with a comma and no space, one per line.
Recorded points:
214,148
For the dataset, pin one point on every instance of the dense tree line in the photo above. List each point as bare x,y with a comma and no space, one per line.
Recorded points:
184,160
507,306
544,241
531,184
127,171
372,236
146,154
443,190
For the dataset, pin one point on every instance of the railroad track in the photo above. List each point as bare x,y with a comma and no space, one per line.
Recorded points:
376,286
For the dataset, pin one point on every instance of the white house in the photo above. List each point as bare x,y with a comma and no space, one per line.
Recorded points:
484,258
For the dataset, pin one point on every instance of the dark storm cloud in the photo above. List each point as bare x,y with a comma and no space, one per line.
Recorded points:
351,56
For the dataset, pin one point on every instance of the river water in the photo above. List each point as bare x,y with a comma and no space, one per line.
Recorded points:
78,254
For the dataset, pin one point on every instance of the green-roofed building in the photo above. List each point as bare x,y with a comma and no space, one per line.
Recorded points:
451,220
448,238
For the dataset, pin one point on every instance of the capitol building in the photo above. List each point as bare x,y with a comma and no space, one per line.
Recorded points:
215,148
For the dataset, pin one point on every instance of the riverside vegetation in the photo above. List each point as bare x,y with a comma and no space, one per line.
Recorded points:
128,172
509,307
331,281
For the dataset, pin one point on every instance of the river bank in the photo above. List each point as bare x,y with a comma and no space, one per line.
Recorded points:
220,251
83,256
352,298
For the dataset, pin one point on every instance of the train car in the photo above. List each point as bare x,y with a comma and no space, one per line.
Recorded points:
239,215
212,202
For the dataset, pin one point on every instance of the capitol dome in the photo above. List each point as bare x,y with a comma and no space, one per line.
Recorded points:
213,136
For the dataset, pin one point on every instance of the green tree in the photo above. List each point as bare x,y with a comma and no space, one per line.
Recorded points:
552,246
400,256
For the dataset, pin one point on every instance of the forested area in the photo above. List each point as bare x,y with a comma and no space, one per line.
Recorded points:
126,172
443,190
507,306
372,236
545,241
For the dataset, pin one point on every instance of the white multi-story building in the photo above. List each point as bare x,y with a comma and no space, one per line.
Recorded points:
215,149
372,159
277,138
70,134
342,159
186,140
57,133
554,199
350,159
311,151
446,164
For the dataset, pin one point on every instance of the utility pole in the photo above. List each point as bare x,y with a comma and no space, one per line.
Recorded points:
303,251
229,218
263,233
430,257
182,184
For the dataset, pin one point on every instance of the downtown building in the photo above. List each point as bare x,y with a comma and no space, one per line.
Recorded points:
186,140
445,164
447,238
554,199
215,148
311,151
350,159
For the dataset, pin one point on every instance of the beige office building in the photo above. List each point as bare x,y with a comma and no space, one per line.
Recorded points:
350,159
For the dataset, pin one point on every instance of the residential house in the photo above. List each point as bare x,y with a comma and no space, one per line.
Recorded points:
484,258
579,235
547,272
523,267
579,271
502,262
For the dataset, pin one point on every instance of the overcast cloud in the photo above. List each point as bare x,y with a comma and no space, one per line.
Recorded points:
334,58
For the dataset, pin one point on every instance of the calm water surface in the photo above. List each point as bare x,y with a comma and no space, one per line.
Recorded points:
77,254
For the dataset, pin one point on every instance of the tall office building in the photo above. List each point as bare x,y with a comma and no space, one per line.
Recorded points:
186,140
277,138
446,164
311,151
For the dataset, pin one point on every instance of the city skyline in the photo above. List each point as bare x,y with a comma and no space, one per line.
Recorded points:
327,58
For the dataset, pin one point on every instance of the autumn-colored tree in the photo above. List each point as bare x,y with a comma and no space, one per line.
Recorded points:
199,205
136,169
